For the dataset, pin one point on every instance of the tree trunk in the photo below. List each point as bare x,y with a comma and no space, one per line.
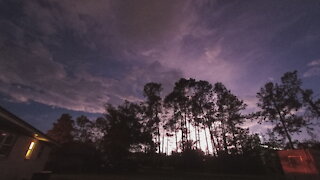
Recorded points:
163,143
185,126
205,134
235,142
167,150
182,135
213,144
159,141
234,139
189,128
176,137
225,146
195,135
284,126
199,138
287,133
224,138
217,136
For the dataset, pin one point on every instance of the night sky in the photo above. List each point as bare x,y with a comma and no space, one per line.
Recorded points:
74,56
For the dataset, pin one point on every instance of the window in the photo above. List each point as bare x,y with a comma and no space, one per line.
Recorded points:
6,143
30,150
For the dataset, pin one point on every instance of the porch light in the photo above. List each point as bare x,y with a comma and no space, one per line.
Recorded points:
30,149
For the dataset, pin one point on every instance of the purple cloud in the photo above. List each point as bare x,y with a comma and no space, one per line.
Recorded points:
79,55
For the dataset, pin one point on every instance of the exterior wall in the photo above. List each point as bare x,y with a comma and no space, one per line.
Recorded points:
16,167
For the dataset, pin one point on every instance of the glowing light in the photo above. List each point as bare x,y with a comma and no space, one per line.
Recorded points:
30,149
299,161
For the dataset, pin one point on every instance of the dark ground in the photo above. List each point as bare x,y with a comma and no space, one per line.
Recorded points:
162,175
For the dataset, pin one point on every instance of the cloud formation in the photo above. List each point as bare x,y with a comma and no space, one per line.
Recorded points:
313,69
65,54
314,63
80,54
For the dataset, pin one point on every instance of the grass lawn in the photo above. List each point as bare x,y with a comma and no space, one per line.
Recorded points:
160,176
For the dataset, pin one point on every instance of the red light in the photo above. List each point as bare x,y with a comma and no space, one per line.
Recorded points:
297,162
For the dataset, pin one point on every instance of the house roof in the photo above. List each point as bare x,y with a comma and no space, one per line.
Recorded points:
12,122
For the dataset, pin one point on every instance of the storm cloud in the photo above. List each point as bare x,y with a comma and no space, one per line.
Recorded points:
79,54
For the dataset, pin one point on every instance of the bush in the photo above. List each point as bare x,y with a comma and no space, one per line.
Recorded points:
235,164
74,158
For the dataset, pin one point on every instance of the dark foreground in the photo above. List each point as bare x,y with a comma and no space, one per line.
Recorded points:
165,176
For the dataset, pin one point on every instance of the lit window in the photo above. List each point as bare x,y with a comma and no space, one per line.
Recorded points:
6,143
30,149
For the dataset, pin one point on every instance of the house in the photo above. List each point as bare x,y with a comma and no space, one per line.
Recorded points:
24,150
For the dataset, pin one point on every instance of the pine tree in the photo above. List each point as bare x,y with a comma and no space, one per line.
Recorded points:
63,129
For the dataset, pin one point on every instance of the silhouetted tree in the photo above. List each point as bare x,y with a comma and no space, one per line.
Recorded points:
280,103
83,129
153,109
179,101
250,143
172,122
63,129
99,130
201,105
229,115
313,106
130,133
272,140
124,132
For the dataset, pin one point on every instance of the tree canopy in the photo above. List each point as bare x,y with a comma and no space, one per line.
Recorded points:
197,118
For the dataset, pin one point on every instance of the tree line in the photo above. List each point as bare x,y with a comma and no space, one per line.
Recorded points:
196,112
